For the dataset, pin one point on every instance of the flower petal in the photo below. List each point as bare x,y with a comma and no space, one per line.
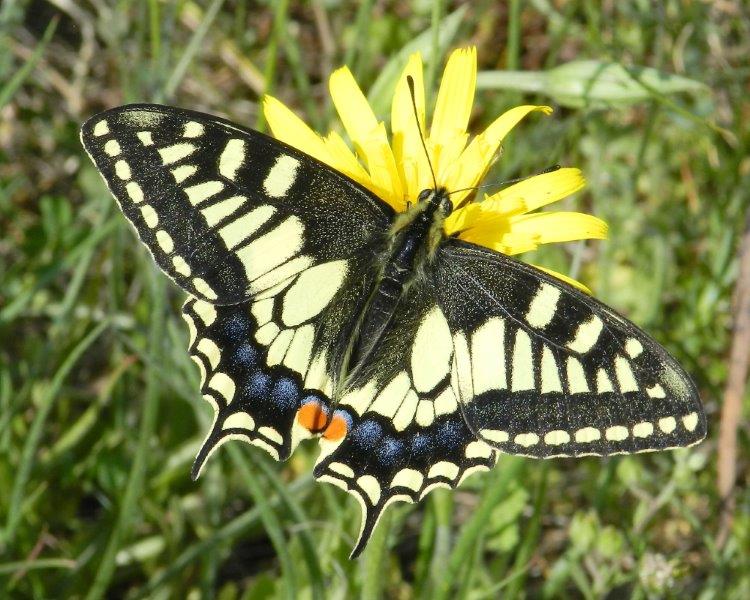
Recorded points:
566,279
453,108
478,156
560,226
369,137
289,128
346,161
535,192
354,111
408,151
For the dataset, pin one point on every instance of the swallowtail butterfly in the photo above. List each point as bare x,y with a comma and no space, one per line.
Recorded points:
415,358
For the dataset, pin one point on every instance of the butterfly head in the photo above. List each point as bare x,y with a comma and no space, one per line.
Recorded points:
436,199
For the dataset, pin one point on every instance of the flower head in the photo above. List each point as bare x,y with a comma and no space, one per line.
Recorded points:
397,170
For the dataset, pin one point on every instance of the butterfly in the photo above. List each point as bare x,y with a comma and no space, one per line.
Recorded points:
415,358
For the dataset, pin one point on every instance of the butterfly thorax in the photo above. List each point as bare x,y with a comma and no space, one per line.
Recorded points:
413,240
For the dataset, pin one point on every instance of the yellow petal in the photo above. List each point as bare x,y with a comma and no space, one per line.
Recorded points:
535,192
474,161
351,104
560,226
369,137
453,106
289,128
346,161
566,279
408,151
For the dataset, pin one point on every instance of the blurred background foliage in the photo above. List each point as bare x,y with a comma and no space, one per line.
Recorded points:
100,414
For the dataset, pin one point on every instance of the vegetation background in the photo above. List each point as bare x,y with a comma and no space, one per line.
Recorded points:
100,415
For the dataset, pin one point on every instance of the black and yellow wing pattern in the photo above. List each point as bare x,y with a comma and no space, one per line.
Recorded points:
274,249
284,259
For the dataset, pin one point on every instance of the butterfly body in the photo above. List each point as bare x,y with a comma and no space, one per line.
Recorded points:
314,310
412,243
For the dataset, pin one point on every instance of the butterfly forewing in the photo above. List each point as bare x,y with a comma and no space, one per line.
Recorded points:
544,370
227,212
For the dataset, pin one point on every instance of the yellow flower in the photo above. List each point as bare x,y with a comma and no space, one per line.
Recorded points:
397,170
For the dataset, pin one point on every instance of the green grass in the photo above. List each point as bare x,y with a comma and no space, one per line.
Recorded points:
100,414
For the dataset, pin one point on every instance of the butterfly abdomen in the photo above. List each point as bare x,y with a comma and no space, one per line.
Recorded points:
407,252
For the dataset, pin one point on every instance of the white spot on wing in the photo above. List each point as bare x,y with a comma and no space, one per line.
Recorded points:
216,212
202,287
431,352
425,413
278,348
112,148
390,397
408,478
273,248
312,292
145,137
543,306
556,437
231,158
656,391
237,231
203,191
181,266
587,434
281,176
576,376
370,486
625,376
633,348
443,469
522,376
406,412
101,128
182,172
488,356
239,420
149,216
165,241
616,433
587,335
223,383
643,429
192,129
494,435
526,439
172,154
122,170
298,355
462,367
134,191
550,372
667,424
690,421
603,383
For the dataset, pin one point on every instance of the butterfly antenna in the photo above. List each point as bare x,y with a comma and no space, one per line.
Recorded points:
410,83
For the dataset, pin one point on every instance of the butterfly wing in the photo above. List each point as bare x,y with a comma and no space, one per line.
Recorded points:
227,212
544,370
404,432
275,249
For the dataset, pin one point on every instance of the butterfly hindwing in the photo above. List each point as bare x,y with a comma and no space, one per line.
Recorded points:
405,434
269,366
544,370
227,212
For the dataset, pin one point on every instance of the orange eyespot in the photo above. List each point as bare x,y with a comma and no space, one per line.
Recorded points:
312,416
336,429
